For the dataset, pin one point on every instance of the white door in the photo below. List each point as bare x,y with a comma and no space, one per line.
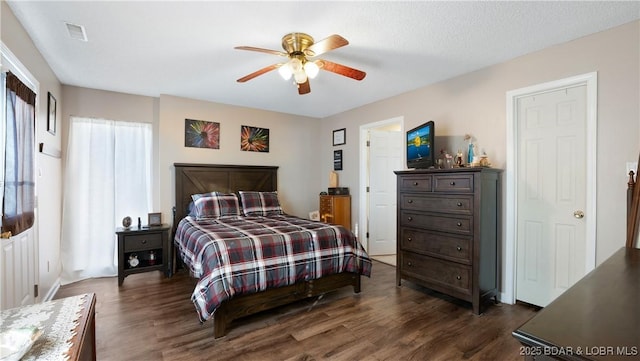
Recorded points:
551,193
18,270
385,156
18,255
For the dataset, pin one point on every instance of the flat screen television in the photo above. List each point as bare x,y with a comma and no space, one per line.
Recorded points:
420,152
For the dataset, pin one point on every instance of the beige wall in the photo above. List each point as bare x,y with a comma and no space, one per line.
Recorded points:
49,169
293,145
475,103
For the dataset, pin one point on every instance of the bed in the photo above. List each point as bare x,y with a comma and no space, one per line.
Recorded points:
245,273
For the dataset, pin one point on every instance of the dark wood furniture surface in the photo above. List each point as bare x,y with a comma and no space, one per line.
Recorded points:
448,231
83,343
336,209
202,178
633,208
142,242
598,318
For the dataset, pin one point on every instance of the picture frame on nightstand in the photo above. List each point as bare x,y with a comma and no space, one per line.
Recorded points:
155,219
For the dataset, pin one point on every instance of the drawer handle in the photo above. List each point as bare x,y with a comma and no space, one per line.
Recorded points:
410,201
452,183
144,241
415,184
409,264
458,278
459,204
459,249
459,224
409,239
410,219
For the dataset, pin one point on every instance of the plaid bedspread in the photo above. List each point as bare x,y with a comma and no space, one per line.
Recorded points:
239,255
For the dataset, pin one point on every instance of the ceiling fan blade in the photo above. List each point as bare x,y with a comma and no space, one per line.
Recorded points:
332,42
261,50
258,73
304,88
341,69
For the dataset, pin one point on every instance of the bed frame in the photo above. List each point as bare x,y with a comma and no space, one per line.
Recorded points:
201,178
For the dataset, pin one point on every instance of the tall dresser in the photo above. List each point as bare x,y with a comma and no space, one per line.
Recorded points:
448,231
336,209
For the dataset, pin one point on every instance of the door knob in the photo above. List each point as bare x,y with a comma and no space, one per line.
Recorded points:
578,214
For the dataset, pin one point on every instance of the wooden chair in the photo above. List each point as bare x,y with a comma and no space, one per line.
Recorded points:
633,208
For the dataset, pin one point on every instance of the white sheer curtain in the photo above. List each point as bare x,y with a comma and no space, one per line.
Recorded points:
107,177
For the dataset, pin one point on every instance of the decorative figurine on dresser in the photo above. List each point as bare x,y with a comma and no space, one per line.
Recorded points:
448,231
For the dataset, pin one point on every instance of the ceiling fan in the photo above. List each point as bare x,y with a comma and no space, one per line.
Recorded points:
299,48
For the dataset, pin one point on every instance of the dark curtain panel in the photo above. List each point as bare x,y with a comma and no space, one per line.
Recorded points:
18,200
15,85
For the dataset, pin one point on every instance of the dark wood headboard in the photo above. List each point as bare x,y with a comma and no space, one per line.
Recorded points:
203,178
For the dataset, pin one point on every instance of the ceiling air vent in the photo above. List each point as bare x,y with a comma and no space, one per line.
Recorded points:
76,31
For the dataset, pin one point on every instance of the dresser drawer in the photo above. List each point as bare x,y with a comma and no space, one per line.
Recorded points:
326,204
142,242
433,270
415,183
451,247
453,183
437,222
458,204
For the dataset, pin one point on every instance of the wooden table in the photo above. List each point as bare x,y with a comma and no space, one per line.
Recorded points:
598,318
56,319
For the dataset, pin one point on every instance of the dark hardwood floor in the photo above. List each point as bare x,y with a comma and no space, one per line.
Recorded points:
152,318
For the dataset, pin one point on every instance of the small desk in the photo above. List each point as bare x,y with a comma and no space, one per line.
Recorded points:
67,324
598,318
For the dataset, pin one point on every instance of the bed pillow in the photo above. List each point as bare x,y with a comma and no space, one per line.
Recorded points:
215,204
260,203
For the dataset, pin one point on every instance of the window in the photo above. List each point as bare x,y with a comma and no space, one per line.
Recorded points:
107,177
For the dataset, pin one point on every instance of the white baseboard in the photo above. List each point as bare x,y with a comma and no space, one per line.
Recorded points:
52,291
504,298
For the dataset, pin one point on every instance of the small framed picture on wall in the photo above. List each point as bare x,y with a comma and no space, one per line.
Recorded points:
51,114
339,136
337,159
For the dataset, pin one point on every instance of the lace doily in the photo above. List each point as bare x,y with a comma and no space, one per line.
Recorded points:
57,320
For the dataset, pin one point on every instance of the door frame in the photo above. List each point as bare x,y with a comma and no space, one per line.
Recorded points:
363,216
590,80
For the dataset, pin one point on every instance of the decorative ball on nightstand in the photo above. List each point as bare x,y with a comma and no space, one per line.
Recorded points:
126,222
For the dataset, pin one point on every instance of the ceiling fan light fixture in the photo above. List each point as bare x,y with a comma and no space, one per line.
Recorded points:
298,48
300,76
285,71
312,69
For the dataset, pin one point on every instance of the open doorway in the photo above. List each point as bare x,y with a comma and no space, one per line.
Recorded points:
381,152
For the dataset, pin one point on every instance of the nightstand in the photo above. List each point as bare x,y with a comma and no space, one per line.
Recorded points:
142,250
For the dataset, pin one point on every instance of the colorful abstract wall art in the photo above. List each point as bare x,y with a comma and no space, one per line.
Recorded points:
253,139
201,134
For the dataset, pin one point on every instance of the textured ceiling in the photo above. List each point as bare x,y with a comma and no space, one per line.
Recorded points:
186,48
